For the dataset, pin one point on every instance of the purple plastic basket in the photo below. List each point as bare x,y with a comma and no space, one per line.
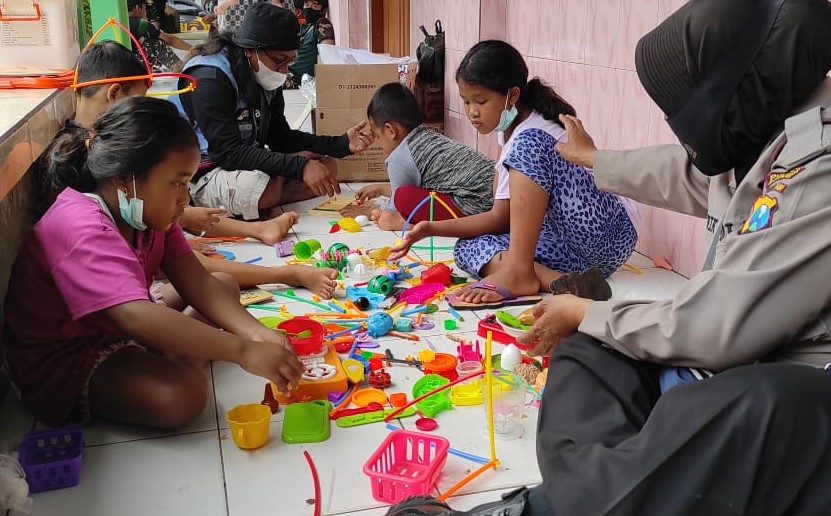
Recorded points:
52,458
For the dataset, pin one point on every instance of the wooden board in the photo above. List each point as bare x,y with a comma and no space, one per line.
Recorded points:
331,207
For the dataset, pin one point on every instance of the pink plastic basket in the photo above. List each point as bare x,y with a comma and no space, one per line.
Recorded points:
52,458
406,464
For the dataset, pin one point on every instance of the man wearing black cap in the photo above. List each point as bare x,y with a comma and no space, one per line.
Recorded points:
713,402
248,160
316,28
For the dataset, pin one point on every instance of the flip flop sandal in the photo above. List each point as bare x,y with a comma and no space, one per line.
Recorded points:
508,298
590,284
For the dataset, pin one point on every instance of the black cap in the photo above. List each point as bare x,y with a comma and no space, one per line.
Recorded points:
267,26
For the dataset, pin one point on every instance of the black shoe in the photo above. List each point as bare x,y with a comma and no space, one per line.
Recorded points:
512,504
590,284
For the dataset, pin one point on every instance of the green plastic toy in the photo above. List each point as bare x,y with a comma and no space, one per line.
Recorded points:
306,422
371,417
438,402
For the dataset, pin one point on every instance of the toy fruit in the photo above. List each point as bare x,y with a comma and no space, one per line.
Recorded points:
380,285
349,224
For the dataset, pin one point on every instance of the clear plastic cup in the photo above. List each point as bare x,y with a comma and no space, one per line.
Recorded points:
508,405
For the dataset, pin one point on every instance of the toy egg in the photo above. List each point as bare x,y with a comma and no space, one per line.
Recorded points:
363,220
511,357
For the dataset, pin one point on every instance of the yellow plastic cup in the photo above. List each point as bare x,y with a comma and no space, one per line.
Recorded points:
304,249
249,425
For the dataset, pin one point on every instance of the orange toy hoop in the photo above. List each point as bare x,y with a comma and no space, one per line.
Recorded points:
112,22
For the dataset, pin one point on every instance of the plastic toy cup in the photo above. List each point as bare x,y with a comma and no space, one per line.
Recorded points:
508,405
249,425
468,367
304,249
307,345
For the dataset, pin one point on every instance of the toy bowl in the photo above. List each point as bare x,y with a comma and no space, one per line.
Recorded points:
309,343
514,313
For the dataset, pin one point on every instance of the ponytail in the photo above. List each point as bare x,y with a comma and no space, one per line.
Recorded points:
542,98
130,138
498,66
63,164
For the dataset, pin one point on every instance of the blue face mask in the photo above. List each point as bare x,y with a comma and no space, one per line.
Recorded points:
507,118
131,211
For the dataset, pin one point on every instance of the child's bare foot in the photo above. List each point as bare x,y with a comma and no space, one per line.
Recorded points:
389,220
320,281
273,230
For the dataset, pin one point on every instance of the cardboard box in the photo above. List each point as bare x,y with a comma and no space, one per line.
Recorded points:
366,166
351,86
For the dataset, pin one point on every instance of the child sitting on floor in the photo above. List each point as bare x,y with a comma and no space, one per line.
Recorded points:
548,217
109,60
419,161
84,337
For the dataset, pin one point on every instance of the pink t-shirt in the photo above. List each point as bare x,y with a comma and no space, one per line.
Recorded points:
75,264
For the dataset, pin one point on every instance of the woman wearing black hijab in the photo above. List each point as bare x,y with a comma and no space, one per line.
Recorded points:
713,402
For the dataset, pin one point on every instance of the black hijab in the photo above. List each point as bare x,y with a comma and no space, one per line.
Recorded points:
725,124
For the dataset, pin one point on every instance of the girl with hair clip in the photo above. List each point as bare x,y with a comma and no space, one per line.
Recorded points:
548,217
84,336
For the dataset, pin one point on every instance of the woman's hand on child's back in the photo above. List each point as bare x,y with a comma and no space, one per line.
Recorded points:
579,148
272,357
419,231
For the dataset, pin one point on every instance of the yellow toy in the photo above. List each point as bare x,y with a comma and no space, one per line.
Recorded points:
349,224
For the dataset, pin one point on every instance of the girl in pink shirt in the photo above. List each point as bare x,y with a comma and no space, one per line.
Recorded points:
84,336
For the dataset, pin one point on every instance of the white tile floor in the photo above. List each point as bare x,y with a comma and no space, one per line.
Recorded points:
199,471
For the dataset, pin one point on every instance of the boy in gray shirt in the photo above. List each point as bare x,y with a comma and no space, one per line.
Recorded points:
420,161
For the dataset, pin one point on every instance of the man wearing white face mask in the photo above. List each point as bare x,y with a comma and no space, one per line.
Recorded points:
249,161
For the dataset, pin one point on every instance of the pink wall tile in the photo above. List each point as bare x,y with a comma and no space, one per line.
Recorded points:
629,127
571,30
667,7
545,25
452,58
520,19
545,69
457,126
659,131
462,24
597,116
493,19
637,17
601,32
571,83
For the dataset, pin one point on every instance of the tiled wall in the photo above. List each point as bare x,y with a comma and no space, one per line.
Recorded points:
585,49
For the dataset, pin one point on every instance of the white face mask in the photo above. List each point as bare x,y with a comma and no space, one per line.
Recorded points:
268,78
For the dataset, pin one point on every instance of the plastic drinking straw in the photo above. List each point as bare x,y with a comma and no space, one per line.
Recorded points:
397,307
253,260
416,310
266,307
323,307
465,481
489,384
452,451
432,198
337,307
342,332
437,389
316,481
452,311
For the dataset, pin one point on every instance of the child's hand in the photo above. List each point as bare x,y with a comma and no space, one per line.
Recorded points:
200,220
419,231
273,360
368,192
579,148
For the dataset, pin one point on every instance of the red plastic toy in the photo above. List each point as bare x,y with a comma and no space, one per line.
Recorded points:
379,379
437,273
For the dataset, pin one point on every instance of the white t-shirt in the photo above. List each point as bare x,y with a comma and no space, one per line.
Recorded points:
534,121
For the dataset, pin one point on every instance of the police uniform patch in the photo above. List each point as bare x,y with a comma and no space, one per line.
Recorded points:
775,177
761,217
